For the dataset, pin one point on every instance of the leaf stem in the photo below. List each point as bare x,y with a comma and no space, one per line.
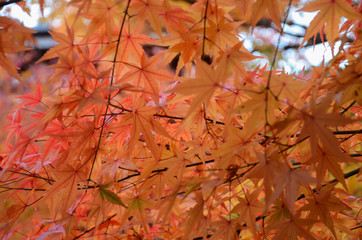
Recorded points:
267,88
204,35
109,94
92,228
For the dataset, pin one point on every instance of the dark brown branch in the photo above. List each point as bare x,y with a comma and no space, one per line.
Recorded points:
204,35
154,171
347,108
182,118
346,175
354,228
3,4
109,94
24,189
165,115
347,132
267,88
34,175
91,229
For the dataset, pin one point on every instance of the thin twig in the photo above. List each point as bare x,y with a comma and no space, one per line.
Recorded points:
204,36
91,229
110,85
3,4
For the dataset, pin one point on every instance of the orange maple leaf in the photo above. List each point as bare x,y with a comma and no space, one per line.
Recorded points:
324,161
203,87
33,100
226,229
63,191
130,44
247,208
232,59
195,215
321,203
330,13
289,180
146,74
137,205
150,10
223,33
67,46
292,228
143,121
273,9
316,122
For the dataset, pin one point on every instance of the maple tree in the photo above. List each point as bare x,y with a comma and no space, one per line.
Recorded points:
111,142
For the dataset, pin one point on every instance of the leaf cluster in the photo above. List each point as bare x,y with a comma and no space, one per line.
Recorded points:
116,144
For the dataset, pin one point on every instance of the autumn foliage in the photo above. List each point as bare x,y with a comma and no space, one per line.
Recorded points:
110,142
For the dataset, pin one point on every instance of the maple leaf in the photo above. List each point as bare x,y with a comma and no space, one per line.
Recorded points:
247,208
33,100
66,45
292,228
49,115
330,13
232,59
317,120
188,45
146,75
289,180
226,229
286,87
150,10
326,160
14,126
17,154
175,17
257,101
203,86
130,44
195,215
157,182
175,161
315,126
105,14
143,121
321,203
259,8
12,39
77,100
237,143
267,169
110,196
137,206
14,211
222,33
280,212
247,141
66,180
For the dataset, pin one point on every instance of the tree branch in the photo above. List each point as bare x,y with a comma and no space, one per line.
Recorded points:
346,175
3,4
91,229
